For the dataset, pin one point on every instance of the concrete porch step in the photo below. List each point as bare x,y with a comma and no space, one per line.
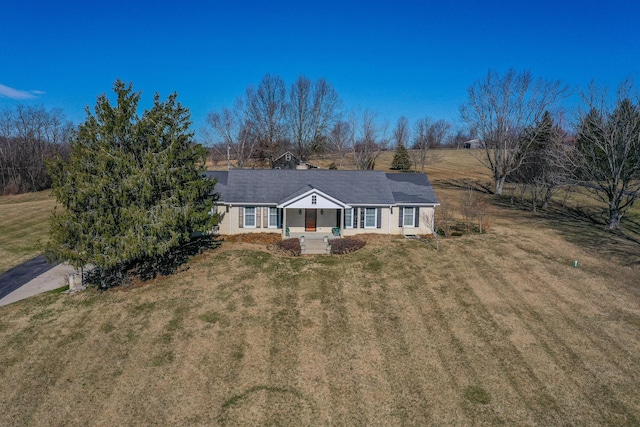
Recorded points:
314,247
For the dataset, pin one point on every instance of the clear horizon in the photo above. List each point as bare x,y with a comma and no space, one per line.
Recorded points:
414,59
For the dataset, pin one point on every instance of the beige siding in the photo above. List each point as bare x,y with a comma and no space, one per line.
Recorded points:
230,221
325,222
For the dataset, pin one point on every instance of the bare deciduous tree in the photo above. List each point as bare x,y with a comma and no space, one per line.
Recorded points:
427,135
341,139
500,108
312,110
606,158
401,133
232,135
266,114
370,141
29,136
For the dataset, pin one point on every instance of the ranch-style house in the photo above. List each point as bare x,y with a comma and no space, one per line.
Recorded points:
332,202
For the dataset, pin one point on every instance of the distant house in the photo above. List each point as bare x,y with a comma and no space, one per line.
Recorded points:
289,161
324,201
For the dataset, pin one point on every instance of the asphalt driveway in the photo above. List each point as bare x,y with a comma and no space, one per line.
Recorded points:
23,273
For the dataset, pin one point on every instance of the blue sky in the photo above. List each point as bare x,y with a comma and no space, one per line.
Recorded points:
412,58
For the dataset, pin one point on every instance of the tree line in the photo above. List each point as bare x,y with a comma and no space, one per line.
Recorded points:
29,136
306,118
132,194
517,120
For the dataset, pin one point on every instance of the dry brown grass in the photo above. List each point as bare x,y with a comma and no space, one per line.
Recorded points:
491,329
258,238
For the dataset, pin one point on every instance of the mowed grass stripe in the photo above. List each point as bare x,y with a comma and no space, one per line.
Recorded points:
24,215
284,400
22,226
404,375
397,330
339,349
45,336
452,362
464,355
584,333
560,355
578,301
90,384
566,355
578,305
235,361
505,357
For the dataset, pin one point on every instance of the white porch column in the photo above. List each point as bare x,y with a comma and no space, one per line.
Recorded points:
284,222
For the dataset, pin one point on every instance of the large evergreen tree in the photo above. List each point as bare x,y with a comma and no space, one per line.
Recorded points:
606,160
401,160
133,188
539,172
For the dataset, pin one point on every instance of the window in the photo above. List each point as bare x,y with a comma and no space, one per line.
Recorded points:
250,217
273,217
370,215
408,217
348,218
314,199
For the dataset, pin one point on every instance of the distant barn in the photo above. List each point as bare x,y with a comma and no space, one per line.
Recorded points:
473,144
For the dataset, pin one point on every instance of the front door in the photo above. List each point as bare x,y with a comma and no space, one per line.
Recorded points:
310,220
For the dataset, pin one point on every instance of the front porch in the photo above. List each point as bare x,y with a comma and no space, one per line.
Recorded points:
313,214
304,221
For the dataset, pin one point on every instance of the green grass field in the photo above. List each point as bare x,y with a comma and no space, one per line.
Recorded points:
498,328
24,221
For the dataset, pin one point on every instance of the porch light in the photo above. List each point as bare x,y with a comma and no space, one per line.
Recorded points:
299,211
321,211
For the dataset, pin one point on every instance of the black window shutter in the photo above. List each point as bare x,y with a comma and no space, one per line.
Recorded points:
354,217
416,222
362,217
400,216
338,218
279,218
379,217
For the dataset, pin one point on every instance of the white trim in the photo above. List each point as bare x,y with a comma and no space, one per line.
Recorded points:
375,218
269,225
404,217
244,216
370,205
251,204
316,192
344,216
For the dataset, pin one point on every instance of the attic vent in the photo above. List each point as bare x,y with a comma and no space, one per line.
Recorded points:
287,157
314,200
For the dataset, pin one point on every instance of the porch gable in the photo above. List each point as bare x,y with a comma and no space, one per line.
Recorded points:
312,199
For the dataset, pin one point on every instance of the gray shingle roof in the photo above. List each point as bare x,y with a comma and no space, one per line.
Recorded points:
272,186
411,188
